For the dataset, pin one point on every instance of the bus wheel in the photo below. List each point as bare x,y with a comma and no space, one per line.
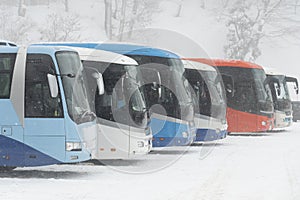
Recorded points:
6,169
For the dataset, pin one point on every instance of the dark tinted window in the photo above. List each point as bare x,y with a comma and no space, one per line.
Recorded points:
201,93
7,62
244,98
38,101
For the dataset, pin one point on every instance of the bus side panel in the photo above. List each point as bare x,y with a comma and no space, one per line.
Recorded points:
11,152
46,136
45,152
11,136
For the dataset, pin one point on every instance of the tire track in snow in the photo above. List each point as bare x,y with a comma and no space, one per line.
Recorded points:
292,178
214,187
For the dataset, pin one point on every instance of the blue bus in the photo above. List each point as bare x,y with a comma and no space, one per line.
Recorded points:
45,116
169,101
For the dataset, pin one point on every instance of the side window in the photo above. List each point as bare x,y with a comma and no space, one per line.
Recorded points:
38,101
7,62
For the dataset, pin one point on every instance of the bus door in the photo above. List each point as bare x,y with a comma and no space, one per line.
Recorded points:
44,117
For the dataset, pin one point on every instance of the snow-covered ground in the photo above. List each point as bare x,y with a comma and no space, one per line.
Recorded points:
265,166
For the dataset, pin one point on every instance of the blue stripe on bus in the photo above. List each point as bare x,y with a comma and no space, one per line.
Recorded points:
166,133
16,154
209,135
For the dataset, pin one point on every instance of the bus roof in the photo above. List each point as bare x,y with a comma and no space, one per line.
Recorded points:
227,63
103,56
34,49
122,48
273,71
7,43
191,64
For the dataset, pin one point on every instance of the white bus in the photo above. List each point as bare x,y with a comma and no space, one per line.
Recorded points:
281,97
123,121
209,99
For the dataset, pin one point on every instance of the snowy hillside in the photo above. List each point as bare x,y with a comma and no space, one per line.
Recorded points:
204,26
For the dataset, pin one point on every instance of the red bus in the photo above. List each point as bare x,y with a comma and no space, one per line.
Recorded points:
249,98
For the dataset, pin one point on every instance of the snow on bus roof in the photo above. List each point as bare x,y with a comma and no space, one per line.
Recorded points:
227,63
103,56
123,48
191,64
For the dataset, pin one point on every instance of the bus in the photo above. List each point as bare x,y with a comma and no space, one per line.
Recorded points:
249,99
209,99
169,100
281,97
45,116
122,117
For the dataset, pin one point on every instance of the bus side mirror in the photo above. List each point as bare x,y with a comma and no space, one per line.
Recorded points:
52,82
100,83
278,90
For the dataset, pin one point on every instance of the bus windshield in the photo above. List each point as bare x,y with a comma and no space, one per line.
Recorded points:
281,90
175,86
280,93
263,91
251,94
122,99
209,92
73,78
215,86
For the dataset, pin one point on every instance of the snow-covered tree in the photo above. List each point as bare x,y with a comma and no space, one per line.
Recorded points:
61,27
14,28
251,21
66,2
127,15
21,8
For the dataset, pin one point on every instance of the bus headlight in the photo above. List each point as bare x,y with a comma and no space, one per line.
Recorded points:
73,146
185,134
263,123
